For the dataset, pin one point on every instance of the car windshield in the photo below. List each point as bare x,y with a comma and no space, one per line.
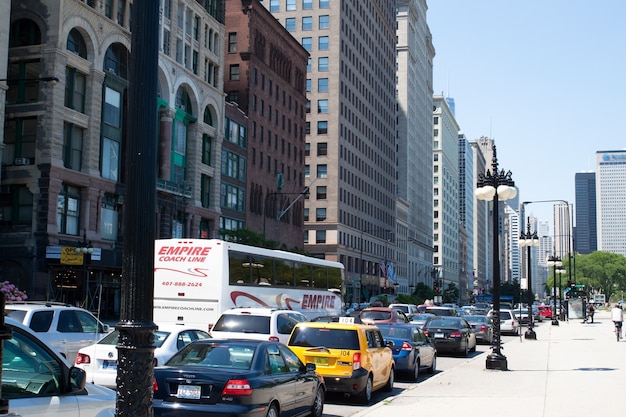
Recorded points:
451,323
422,316
242,323
375,315
395,332
476,319
215,355
404,309
328,338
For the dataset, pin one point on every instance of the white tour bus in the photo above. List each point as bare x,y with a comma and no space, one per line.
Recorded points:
195,280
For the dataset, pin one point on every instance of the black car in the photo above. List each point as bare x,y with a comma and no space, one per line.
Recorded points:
451,334
214,377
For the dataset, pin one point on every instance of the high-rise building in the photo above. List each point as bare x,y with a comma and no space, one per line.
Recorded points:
467,185
63,183
481,225
610,197
415,55
585,233
265,74
350,151
445,192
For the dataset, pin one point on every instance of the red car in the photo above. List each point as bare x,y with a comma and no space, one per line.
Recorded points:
373,315
545,311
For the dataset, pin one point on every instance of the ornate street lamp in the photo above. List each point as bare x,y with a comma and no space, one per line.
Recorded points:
560,271
529,240
85,249
554,261
495,186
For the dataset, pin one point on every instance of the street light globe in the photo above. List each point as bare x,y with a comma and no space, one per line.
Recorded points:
485,193
506,192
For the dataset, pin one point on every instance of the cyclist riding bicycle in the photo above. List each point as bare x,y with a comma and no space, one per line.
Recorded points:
617,315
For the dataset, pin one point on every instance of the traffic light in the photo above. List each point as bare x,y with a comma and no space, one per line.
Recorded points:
436,285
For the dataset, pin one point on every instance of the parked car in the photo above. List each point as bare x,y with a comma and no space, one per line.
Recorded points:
412,350
257,323
39,382
246,378
509,324
63,327
99,360
451,334
522,314
409,310
352,358
420,319
483,327
374,315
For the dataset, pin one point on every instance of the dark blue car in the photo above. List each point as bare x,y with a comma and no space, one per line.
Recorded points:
244,378
412,350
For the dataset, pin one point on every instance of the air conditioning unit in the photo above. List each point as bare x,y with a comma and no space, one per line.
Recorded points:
21,161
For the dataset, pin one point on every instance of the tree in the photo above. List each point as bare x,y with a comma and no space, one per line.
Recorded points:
451,294
603,271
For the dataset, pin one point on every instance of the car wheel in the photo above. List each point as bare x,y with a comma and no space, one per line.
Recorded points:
272,411
317,410
389,385
465,351
366,395
433,365
473,349
416,371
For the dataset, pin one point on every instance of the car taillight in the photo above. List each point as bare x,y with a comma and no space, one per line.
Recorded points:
455,333
356,361
273,339
237,387
426,333
406,346
483,328
82,358
155,386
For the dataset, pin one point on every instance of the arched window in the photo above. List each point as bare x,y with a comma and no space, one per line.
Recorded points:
182,100
116,60
24,32
76,44
208,119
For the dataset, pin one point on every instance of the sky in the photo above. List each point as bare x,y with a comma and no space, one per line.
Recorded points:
546,79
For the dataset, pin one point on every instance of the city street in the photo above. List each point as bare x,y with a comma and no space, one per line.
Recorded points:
571,370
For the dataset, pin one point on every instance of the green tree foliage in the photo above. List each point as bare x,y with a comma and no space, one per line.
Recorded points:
603,271
451,293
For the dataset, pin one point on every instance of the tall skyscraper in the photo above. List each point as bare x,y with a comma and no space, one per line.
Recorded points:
563,230
415,55
481,225
585,233
610,197
350,151
466,218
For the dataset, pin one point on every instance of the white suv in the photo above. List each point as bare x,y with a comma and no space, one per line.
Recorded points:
63,327
257,323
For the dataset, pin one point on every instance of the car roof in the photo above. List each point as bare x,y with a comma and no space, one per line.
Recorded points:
333,325
42,305
262,311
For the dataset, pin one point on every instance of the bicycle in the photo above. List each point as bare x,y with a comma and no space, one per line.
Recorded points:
618,329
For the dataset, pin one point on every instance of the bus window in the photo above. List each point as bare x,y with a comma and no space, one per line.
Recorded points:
283,271
302,273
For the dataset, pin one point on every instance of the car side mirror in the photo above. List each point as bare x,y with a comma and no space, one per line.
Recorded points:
310,367
78,379
389,343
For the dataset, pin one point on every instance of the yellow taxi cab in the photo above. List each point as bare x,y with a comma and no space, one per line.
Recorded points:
352,358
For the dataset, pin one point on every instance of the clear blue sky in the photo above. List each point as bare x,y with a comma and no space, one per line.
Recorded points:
545,78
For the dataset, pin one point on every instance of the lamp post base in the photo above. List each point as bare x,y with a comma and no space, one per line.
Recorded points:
496,361
555,322
530,334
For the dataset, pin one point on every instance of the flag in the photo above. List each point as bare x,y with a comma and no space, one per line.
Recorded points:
391,272
383,269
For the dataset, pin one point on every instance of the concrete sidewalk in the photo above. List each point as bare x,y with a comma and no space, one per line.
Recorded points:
571,370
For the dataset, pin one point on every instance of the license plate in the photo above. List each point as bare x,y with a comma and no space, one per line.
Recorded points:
191,392
439,335
112,365
320,361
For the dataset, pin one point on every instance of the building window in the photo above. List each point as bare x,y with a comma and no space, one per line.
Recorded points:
307,107
76,44
309,65
306,214
234,72
324,4
308,85
112,134
109,223
436,120
307,128
205,190
68,209
207,142
322,106
232,197
166,42
322,171
24,85
322,63
322,149
307,171
322,85
16,206
307,23
20,137
307,4
320,214
324,22
320,236
72,146
307,43
307,149
321,192
232,42
436,132
75,89
291,5
322,127
290,24
233,165
322,43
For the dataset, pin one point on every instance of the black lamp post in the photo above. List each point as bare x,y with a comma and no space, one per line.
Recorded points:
86,250
560,271
554,261
529,240
496,185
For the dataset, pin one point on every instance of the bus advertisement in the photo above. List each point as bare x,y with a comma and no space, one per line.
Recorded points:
195,280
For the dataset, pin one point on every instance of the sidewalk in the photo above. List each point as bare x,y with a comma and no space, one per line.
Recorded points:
571,370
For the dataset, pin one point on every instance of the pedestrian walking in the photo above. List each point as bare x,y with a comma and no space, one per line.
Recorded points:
590,311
